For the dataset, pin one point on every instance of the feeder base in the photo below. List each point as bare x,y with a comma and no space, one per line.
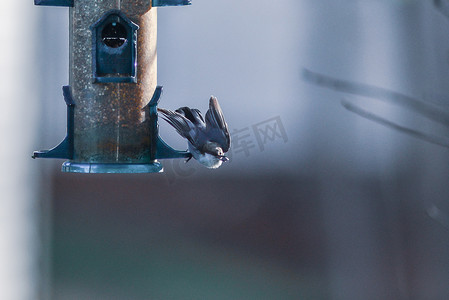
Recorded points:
72,167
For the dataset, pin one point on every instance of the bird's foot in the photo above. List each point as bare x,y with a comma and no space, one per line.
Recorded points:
189,157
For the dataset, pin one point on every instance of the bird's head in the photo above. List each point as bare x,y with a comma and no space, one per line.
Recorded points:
215,150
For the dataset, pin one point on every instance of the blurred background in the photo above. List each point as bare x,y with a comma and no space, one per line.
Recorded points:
316,203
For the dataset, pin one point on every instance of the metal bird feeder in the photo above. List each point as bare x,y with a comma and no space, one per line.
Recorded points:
112,96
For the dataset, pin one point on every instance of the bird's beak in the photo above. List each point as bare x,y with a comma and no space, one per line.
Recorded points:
224,158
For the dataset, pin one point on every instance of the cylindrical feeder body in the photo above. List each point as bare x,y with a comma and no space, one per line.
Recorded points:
113,76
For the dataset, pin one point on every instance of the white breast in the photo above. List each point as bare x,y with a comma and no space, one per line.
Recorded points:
209,160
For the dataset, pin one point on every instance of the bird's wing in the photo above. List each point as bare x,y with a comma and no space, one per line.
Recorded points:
216,127
197,114
182,125
193,114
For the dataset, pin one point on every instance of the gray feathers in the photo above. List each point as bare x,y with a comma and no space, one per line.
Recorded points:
216,126
203,134
182,125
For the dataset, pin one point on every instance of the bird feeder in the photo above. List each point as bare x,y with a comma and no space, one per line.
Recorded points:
112,96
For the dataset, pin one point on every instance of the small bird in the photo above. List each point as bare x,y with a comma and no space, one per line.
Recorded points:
209,139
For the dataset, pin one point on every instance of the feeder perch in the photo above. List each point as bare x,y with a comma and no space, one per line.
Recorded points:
112,96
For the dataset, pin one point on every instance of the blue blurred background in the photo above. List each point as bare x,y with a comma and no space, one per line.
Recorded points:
316,202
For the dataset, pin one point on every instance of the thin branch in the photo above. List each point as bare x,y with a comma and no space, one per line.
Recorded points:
378,119
427,110
439,216
442,6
